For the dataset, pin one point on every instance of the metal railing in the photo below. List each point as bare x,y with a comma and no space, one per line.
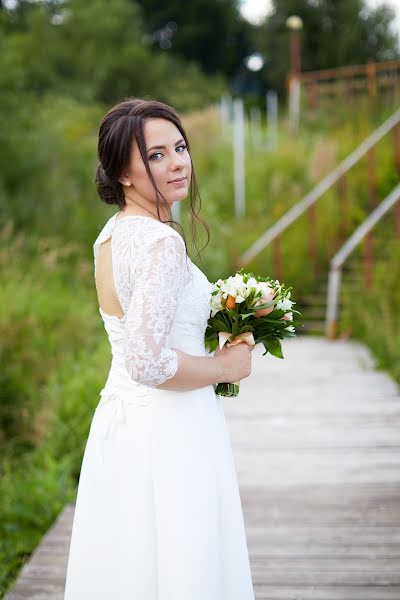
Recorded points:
370,77
272,233
341,256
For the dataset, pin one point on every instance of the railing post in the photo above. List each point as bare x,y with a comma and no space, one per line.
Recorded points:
312,90
344,205
368,244
398,220
277,258
395,83
371,174
396,147
332,302
371,72
396,164
350,89
368,259
311,236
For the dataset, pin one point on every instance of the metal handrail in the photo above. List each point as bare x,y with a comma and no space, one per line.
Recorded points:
298,209
348,71
343,253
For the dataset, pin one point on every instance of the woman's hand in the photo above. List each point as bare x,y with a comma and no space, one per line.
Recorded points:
235,360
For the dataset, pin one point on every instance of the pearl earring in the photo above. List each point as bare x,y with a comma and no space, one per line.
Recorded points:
128,183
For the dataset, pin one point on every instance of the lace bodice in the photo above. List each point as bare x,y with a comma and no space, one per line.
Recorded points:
164,296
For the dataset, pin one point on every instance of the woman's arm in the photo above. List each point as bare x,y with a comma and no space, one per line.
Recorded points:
227,365
158,278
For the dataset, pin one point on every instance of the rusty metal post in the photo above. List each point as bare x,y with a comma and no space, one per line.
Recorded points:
394,83
371,173
312,249
308,88
344,205
313,93
368,259
368,244
398,220
295,54
331,330
396,147
277,258
350,89
371,73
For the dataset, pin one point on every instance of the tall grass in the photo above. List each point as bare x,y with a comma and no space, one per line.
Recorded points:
54,356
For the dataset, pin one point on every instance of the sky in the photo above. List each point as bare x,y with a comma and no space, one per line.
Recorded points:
256,10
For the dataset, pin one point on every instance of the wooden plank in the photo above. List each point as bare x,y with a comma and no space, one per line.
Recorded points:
317,450
43,576
326,592
316,445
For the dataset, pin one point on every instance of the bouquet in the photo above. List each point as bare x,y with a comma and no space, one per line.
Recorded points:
249,309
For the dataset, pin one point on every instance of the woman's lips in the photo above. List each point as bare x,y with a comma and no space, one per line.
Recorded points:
181,180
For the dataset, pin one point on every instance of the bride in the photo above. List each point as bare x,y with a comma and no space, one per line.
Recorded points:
158,513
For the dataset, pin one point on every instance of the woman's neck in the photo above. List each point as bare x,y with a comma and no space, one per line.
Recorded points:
135,209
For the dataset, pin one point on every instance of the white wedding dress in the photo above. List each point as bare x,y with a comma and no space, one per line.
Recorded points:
158,513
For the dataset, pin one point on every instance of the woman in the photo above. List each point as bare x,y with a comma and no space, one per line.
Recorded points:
158,513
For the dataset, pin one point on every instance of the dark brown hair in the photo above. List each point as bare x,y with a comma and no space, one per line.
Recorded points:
123,124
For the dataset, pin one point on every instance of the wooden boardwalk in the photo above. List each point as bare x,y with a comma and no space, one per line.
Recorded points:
316,440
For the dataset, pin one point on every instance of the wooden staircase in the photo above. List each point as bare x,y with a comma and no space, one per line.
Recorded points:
313,306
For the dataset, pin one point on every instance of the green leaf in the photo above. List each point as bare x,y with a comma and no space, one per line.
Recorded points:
246,328
211,344
246,315
218,325
264,305
235,329
274,347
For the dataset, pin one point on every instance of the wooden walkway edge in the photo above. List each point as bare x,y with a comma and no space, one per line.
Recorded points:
316,441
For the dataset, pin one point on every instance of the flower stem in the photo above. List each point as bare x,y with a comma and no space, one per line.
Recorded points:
227,389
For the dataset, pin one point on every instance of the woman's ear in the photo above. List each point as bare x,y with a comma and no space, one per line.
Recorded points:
124,179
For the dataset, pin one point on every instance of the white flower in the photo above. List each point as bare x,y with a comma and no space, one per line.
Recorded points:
290,328
252,283
235,287
216,304
284,304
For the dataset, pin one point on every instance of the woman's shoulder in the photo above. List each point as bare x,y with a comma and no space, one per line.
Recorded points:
142,231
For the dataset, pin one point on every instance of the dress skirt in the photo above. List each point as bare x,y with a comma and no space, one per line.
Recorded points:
158,514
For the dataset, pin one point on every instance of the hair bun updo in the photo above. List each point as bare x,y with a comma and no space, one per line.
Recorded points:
109,190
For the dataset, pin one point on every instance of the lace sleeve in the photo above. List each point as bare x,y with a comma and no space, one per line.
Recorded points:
157,282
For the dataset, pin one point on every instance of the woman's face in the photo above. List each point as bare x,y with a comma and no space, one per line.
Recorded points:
168,159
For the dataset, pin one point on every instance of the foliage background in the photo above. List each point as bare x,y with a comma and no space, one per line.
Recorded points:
62,65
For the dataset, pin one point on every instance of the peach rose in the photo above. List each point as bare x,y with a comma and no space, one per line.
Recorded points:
265,311
230,302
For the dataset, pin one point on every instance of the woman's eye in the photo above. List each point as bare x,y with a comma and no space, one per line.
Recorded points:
183,146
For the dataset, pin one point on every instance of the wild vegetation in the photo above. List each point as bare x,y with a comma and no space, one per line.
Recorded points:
54,352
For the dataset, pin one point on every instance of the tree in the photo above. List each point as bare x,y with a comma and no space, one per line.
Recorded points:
335,33
210,32
93,51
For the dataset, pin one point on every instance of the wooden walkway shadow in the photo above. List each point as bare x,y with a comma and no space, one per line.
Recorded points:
316,440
